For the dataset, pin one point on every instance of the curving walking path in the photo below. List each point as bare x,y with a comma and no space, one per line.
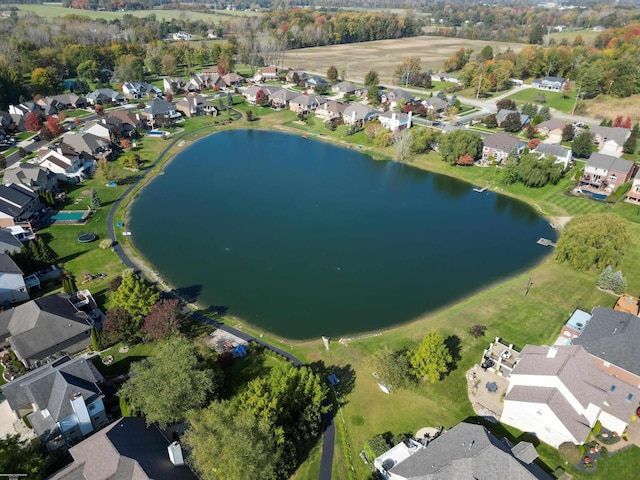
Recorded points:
328,435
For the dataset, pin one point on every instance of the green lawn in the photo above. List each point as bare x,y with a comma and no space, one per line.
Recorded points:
554,99
123,360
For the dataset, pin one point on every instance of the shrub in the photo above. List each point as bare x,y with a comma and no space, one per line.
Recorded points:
106,243
570,453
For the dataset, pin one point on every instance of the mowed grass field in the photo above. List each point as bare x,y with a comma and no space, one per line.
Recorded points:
52,10
384,56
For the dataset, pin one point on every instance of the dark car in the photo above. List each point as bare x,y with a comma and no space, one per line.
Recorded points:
35,138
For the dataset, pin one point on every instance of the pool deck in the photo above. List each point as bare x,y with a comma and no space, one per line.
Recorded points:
79,217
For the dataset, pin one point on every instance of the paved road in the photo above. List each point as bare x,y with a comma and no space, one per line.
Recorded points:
328,436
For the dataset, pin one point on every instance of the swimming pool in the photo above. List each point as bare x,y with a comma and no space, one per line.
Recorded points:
75,216
155,133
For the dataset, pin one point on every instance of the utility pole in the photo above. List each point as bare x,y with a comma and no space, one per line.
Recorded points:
406,84
575,104
479,85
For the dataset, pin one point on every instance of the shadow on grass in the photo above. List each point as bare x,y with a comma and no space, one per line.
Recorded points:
240,371
68,258
346,376
117,368
453,343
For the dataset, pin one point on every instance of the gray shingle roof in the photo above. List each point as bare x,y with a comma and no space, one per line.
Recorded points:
126,450
44,326
9,243
361,111
7,265
26,174
157,106
468,452
617,134
502,141
614,337
609,162
555,150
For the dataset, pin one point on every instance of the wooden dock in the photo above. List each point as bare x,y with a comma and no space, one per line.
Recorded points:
480,190
546,242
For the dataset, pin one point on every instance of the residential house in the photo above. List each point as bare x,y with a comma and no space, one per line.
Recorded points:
209,79
131,92
395,121
559,393
68,101
20,233
305,103
267,74
604,173
562,155
551,84
316,81
396,97
128,449
499,145
344,88
46,327
302,76
8,241
174,85
502,115
106,95
610,140
99,128
31,177
159,111
251,93
125,122
633,195
500,358
574,327
233,80
18,206
62,400
358,114
436,104
195,105
467,451
66,164
551,128
181,35
12,287
26,107
281,99
331,110
89,145
612,338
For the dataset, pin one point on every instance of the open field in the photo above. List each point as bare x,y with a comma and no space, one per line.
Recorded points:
609,107
385,55
57,10
555,100
587,34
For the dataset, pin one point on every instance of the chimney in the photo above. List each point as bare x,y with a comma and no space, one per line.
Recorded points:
175,454
553,350
409,122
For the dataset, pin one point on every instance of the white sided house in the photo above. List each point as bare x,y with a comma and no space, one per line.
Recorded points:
395,121
559,393
12,286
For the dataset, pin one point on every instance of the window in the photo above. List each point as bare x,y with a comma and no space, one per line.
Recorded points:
612,178
630,396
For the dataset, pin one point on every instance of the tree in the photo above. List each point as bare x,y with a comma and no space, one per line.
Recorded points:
593,240
537,172
69,284
371,78
618,283
465,160
125,143
424,140
409,66
135,295
119,326
382,138
54,126
163,320
393,366
477,331
536,35
46,81
545,113
99,110
568,133
512,122
106,170
582,145
245,445
529,109
165,386
530,132
130,68
94,199
570,453
490,121
432,359
372,95
32,122
88,70
487,53
249,115
169,64
20,457
629,145
604,279
566,86
332,73
506,104
455,144
403,142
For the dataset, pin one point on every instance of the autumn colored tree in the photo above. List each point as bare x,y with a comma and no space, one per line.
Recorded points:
533,143
99,110
566,86
163,320
332,73
32,122
568,132
125,144
617,122
119,326
506,104
54,126
465,160
261,98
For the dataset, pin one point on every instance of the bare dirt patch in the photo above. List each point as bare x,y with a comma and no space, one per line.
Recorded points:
384,55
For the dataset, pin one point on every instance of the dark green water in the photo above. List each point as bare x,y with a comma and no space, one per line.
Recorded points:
303,238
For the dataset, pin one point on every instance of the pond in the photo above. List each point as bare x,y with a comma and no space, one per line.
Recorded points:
303,238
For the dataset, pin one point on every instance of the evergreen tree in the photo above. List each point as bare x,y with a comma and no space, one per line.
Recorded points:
94,200
432,359
618,283
604,280
545,113
529,109
135,295
536,35
582,145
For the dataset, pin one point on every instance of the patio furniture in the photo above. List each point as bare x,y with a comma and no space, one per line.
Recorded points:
492,387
